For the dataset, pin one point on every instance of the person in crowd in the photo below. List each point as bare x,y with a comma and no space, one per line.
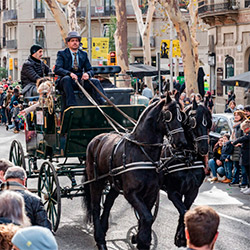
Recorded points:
4,165
226,152
208,101
244,143
239,107
15,180
177,85
239,117
198,98
201,228
34,238
247,111
2,108
182,100
230,97
215,164
12,217
5,87
73,64
231,108
15,119
247,96
147,92
33,69
7,101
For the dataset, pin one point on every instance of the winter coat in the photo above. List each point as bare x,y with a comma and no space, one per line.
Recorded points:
32,70
226,151
245,149
33,204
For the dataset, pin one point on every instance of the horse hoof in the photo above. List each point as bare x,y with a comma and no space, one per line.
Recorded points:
134,239
102,247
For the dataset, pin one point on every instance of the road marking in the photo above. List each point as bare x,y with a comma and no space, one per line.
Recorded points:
234,219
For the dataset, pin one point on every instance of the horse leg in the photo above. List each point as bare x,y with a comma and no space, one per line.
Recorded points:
109,201
99,235
143,238
176,198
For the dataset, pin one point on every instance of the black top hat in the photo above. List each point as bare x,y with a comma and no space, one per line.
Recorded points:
73,34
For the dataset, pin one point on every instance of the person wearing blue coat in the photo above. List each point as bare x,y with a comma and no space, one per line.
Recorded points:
73,64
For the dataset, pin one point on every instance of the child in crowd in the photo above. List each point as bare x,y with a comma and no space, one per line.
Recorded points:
226,151
244,143
15,119
215,164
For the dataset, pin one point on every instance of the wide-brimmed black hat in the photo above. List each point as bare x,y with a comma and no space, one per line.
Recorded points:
73,34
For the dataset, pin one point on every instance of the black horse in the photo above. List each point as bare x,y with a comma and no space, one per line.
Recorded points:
184,171
129,162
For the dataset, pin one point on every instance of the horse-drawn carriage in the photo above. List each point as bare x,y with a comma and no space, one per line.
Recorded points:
128,163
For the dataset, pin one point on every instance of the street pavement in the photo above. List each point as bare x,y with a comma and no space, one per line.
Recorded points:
73,233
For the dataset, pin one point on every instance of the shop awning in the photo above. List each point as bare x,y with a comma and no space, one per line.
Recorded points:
242,80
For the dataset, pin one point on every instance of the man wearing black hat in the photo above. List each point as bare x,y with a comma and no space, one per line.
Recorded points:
33,69
73,64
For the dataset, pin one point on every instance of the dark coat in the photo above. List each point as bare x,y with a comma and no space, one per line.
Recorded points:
33,204
2,97
226,151
64,64
245,149
32,70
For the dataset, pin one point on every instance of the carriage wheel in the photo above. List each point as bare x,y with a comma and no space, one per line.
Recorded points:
49,191
17,155
154,209
132,232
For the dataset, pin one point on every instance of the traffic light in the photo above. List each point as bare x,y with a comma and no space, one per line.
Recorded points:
112,58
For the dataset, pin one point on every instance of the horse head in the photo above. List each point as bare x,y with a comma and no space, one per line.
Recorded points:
172,119
198,121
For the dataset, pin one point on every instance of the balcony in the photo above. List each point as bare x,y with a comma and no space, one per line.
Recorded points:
11,44
10,17
39,14
219,11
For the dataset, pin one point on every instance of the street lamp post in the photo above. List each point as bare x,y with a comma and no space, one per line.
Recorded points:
89,31
171,55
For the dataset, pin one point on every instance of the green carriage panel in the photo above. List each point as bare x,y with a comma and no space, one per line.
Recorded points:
81,124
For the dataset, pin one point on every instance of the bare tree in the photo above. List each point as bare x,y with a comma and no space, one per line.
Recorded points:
121,40
65,23
186,44
145,27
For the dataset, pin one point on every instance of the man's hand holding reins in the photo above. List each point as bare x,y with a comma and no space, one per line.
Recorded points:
73,76
85,76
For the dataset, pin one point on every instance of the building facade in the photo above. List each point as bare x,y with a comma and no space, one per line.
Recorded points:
228,44
25,22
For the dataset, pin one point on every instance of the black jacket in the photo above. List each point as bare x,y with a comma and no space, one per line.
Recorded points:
33,204
2,97
226,151
32,70
64,64
245,149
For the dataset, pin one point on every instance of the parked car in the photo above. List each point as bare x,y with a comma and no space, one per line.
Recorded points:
222,124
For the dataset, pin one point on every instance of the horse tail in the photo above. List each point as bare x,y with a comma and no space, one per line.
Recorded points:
87,200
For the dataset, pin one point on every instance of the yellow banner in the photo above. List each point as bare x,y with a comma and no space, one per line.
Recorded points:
10,63
165,47
100,47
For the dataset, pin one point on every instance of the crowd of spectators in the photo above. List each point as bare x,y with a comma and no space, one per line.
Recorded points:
10,105
23,220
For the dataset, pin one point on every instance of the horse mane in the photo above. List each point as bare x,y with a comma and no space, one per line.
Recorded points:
146,112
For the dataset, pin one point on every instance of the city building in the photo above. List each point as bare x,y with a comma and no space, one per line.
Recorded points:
23,23
228,43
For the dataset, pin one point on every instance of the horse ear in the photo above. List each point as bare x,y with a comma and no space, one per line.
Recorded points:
195,105
168,98
177,96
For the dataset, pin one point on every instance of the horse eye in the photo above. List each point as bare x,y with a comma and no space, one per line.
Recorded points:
192,122
167,116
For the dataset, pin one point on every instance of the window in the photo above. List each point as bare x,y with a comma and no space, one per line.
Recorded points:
229,70
222,126
39,9
40,37
109,7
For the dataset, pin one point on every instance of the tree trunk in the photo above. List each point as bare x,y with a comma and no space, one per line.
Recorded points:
72,18
193,10
60,17
121,41
183,32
